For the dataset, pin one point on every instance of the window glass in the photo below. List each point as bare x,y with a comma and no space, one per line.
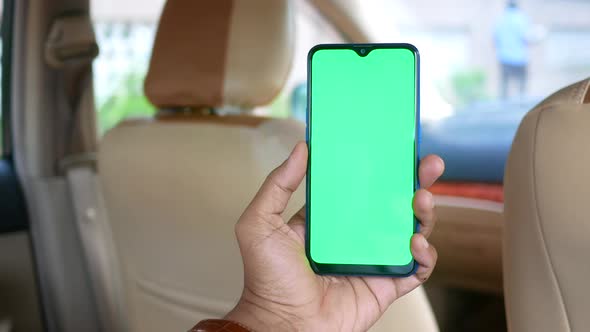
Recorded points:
311,28
577,57
125,32
484,64
2,124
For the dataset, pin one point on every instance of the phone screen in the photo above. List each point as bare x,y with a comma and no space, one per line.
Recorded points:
362,169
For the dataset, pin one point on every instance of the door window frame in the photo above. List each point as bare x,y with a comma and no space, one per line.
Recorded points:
6,33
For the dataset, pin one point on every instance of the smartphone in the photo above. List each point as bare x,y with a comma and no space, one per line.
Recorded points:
362,133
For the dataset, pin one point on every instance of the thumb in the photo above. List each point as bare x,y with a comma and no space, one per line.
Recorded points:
275,192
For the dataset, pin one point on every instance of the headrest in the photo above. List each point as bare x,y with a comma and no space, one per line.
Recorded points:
222,52
546,232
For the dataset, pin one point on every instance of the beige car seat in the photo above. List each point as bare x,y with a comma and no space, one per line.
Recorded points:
547,231
175,185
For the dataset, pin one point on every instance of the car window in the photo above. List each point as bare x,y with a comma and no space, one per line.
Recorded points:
4,130
3,126
311,28
125,31
484,64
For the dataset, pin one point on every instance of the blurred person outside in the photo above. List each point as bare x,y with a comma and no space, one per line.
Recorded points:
511,41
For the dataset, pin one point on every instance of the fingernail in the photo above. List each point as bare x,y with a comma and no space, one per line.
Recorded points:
293,151
441,163
431,199
291,154
424,243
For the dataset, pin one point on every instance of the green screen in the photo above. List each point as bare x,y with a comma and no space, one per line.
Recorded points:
362,130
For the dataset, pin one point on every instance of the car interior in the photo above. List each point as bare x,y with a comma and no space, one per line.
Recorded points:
134,133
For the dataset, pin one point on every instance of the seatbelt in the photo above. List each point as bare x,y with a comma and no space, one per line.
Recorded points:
70,50
97,239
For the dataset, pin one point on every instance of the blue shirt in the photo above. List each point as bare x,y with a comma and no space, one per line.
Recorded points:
510,36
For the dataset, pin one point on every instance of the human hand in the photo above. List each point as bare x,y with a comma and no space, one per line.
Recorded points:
281,292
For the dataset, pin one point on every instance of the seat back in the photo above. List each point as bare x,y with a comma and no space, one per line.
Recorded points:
547,230
175,185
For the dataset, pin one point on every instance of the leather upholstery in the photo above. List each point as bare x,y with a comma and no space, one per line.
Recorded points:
223,52
468,238
547,231
173,191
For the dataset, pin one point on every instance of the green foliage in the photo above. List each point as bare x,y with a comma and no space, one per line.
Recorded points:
468,85
126,101
279,108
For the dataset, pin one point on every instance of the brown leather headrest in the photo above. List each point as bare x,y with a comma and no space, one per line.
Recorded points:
222,52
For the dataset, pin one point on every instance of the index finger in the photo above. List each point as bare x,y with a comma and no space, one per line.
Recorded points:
275,192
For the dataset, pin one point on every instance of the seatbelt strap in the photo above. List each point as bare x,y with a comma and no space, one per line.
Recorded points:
70,49
71,41
97,240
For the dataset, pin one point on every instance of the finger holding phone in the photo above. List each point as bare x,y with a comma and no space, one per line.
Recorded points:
361,241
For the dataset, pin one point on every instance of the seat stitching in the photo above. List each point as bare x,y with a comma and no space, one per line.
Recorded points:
577,91
539,219
585,90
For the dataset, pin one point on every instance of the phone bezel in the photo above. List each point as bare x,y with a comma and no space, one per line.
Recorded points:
354,269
